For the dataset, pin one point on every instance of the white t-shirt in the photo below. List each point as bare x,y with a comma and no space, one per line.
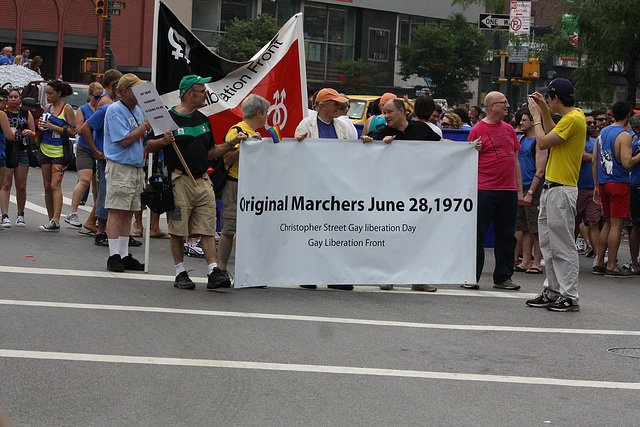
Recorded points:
352,132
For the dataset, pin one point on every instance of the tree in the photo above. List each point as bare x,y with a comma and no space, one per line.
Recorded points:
608,45
449,55
359,76
244,38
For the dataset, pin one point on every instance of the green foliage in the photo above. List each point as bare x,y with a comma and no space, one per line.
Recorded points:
360,77
450,55
244,38
608,45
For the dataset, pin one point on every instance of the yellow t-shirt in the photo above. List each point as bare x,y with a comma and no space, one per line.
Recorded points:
246,129
565,158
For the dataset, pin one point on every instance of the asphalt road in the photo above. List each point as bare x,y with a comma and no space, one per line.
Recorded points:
80,346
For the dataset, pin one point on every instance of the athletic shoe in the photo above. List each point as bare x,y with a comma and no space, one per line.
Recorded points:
183,281
507,284
101,239
540,301
581,245
564,304
50,226
590,253
20,221
193,251
634,269
134,243
6,222
114,263
386,287
309,286
130,263
470,286
72,219
423,288
218,279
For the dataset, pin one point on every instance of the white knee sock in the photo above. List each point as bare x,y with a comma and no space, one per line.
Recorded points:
123,246
180,268
113,247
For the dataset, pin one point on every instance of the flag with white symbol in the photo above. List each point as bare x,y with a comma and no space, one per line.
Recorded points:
276,72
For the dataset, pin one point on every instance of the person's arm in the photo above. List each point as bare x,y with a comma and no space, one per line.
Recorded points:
135,134
365,129
9,132
518,178
627,159
228,147
156,144
543,124
70,118
538,178
87,133
79,119
30,131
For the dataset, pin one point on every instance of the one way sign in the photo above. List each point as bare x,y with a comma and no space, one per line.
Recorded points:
491,21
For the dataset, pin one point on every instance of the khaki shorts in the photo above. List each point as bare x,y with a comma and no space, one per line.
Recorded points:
194,213
229,207
528,215
124,185
84,159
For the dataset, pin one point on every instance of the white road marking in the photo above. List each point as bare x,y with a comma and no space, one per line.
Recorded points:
321,369
293,317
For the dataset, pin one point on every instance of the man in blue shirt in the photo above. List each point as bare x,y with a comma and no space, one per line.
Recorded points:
124,128
6,56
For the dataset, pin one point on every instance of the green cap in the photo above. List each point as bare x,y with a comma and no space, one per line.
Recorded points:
187,82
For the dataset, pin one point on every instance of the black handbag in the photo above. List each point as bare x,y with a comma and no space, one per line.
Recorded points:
158,195
67,148
32,152
11,154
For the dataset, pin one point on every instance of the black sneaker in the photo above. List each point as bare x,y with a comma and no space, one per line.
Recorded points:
341,287
218,279
101,239
507,284
309,286
564,304
470,286
183,281
130,263
133,242
114,263
540,301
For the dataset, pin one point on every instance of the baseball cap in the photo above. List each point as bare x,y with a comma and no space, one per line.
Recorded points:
129,80
559,86
328,94
386,97
188,81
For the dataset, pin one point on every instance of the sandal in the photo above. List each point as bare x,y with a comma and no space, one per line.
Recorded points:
520,269
616,273
534,270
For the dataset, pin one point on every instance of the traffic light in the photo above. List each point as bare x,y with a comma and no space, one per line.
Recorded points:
93,66
101,8
526,72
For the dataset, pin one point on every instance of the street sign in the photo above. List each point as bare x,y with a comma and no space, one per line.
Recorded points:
115,12
520,17
518,55
117,5
491,21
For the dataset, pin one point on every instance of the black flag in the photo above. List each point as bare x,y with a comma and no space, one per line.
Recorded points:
180,53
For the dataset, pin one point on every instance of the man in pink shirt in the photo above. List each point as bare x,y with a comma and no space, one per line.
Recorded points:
499,189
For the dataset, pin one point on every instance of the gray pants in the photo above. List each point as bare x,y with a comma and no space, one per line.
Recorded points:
556,225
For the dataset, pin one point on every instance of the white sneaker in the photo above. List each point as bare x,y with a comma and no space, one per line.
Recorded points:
20,221
6,222
72,219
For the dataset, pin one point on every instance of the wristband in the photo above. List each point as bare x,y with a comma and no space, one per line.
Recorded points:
230,144
537,123
536,176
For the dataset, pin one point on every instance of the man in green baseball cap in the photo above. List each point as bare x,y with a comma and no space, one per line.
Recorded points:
188,81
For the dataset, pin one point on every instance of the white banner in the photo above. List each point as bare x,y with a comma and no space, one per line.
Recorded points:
329,211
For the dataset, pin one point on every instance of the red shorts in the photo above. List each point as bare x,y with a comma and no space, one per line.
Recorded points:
615,199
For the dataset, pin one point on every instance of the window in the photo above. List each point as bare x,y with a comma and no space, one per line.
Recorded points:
209,18
329,35
282,10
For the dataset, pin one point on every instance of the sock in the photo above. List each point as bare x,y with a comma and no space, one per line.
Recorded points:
113,247
180,268
123,246
212,266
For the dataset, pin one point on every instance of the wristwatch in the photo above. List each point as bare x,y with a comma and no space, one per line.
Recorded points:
530,192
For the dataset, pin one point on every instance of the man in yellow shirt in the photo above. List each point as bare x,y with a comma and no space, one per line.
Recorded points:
556,221
254,116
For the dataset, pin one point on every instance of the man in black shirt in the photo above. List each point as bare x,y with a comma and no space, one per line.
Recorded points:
398,127
195,206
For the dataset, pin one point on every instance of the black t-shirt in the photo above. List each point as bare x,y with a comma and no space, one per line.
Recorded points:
415,131
194,139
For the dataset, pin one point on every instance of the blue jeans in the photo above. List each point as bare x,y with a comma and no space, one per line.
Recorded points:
101,212
501,207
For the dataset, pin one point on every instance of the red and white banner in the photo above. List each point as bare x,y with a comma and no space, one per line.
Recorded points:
276,72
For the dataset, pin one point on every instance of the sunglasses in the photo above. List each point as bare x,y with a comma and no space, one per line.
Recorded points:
591,123
96,96
445,124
